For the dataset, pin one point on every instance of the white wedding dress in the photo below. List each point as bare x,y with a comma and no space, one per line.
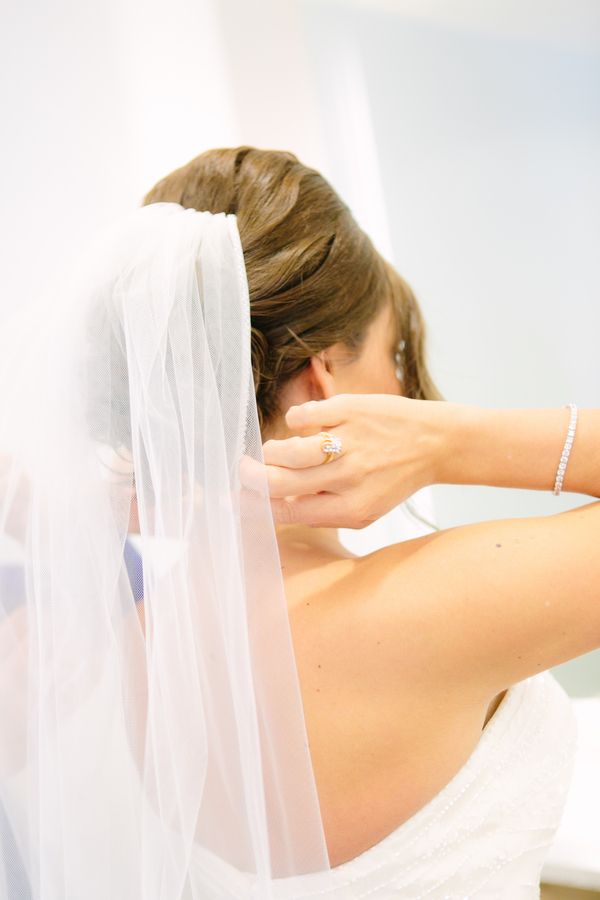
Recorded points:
484,835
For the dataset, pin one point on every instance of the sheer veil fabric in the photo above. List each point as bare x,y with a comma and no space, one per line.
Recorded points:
157,755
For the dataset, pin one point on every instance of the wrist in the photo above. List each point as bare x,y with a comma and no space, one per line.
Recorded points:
453,428
517,448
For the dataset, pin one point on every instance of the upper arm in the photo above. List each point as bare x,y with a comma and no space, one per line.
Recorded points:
496,601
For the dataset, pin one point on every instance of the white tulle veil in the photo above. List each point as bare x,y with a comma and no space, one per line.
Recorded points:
161,755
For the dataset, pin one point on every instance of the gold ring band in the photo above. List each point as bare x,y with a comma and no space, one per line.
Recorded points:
330,445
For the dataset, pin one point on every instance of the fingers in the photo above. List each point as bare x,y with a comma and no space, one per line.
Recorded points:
318,414
252,472
323,509
294,452
286,482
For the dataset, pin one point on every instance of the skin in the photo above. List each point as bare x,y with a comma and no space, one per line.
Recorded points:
366,726
325,586
330,373
320,577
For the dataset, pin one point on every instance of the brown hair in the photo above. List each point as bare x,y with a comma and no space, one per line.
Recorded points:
315,278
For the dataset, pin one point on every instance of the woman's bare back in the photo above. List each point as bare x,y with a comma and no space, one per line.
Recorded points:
381,747
404,654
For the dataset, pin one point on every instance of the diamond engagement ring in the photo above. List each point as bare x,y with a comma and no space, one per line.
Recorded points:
331,446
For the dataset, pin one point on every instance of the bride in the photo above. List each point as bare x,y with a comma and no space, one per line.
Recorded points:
438,747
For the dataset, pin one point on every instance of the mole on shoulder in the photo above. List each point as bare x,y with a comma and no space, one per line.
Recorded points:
498,545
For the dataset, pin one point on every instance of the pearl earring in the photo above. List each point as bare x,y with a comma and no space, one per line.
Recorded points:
398,359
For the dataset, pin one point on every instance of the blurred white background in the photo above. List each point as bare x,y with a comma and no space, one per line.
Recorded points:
464,135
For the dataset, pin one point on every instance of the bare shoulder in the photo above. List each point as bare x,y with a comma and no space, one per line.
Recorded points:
489,603
365,627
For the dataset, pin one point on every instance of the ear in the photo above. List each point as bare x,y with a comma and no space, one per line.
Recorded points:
315,382
322,376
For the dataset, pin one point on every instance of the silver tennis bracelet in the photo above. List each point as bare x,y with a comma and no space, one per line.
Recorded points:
564,458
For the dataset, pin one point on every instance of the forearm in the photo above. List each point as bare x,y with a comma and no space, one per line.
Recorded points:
519,448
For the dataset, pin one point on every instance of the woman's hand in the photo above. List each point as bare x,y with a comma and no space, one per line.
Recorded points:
391,447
